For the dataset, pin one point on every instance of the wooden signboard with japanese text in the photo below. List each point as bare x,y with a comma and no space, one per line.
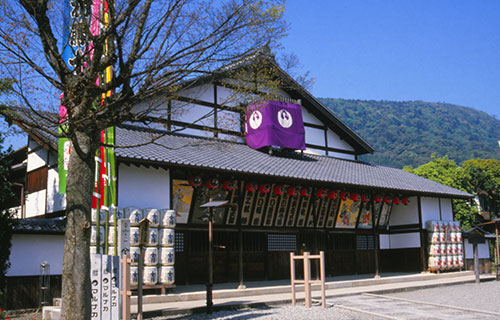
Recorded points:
323,210
272,204
259,208
332,211
246,211
303,210
292,210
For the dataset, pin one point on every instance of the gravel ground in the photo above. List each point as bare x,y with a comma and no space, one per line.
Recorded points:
484,296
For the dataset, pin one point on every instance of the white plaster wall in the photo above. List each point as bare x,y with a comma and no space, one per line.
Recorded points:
402,214
315,151
446,209
36,159
483,250
334,141
192,113
228,120
204,92
143,187
404,240
193,132
55,200
341,155
35,203
308,117
430,209
30,250
315,136
384,241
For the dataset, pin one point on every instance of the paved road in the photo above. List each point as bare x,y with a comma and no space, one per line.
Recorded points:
397,308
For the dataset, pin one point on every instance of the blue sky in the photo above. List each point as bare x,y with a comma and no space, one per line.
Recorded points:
436,51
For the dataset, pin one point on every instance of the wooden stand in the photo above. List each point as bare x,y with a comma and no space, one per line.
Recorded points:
307,276
125,292
163,287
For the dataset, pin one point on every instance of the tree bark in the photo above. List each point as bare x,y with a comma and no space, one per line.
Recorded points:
76,294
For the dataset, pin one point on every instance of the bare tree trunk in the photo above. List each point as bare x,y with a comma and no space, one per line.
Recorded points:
76,292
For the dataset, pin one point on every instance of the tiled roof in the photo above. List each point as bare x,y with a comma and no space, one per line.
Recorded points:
232,157
43,226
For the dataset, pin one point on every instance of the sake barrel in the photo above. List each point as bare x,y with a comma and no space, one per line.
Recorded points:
440,226
134,236
438,261
442,248
118,212
150,276
459,248
449,261
135,252
111,250
93,235
434,249
93,216
433,237
135,216
459,237
454,248
93,250
433,262
167,256
446,225
151,256
167,237
453,237
455,262
152,237
167,275
134,276
153,215
442,237
448,248
111,235
432,226
168,218
460,260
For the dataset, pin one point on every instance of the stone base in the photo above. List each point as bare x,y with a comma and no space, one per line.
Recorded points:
51,313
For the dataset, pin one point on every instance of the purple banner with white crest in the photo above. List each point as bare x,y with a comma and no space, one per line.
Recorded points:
275,123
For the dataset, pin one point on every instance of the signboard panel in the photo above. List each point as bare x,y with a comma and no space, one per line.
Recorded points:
303,210
385,214
246,211
323,211
365,217
314,211
106,287
232,212
95,281
332,210
259,208
181,199
272,204
348,214
281,210
292,210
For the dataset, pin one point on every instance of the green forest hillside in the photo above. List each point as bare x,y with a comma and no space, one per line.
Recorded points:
408,132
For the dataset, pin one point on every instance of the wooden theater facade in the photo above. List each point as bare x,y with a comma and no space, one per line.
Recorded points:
365,217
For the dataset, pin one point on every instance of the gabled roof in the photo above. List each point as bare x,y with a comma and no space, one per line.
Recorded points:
238,158
263,56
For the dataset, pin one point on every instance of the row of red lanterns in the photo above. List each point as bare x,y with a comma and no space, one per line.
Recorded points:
214,183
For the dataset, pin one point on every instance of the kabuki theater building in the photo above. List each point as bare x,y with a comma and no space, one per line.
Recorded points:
288,166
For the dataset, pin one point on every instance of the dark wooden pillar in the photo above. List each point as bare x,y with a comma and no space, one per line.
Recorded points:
375,237
240,237
423,238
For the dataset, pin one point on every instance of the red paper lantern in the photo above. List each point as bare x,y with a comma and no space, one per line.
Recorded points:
395,200
212,183
332,194
251,187
378,198
291,191
387,199
343,195
264,188
354,197
228,185
195,181
405,201
365,198
279,190
320,193
305,192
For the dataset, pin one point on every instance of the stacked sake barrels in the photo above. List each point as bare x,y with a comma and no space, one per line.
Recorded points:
159,254
445,245
102,224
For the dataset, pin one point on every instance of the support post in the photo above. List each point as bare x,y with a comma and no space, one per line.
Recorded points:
322,270
210,283
375,237
125,293
497,266
307,278
292,276
476,261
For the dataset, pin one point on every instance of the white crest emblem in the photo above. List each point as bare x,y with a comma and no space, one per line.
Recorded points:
255,119
285,118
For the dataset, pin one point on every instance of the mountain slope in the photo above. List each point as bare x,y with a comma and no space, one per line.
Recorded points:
408,132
